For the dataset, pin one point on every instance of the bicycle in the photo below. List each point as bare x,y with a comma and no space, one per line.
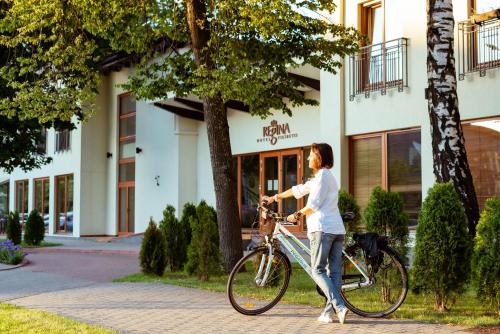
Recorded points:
371,286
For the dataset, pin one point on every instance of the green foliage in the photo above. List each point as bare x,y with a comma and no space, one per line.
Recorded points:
347,203
175,238
384,215
34,231
486,260
14,228
188,213
152,257
204,258
443,247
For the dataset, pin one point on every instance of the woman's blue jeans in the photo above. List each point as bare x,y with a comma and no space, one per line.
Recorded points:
326,266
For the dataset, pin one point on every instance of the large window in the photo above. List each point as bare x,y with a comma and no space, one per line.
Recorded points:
392,161
249,189
64,204
41,146
42,188
22,193
4,205
482,142
126,164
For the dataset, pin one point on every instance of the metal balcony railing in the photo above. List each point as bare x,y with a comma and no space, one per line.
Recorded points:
479,44
379,67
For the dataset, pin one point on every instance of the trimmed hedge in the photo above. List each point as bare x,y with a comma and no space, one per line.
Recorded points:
14,229
384,215
175,239
34,231
347,203
443,247
204,257
486,260
152,257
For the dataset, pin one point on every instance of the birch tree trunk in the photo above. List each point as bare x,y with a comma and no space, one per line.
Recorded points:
448,145
221,158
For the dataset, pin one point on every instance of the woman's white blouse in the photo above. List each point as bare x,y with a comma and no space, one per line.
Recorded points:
323,198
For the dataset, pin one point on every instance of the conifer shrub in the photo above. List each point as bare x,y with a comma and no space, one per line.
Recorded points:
204,257
486,258
13,228
188,213
384,215
443,248
152,256
347,203
34,231
175,239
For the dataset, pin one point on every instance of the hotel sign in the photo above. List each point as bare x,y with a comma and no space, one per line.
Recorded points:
276,131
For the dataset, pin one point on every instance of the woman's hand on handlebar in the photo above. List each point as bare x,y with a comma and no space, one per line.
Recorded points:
291,218
267,200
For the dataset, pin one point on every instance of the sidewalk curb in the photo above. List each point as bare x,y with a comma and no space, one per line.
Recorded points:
22,264
56,250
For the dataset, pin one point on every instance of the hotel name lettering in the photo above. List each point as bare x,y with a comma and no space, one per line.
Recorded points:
276,131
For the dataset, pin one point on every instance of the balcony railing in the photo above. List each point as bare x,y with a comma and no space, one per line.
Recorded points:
379,67
479,44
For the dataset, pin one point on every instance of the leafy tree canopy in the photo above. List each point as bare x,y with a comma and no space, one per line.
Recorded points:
252,45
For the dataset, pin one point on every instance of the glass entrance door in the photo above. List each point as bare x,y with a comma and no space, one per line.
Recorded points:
281,171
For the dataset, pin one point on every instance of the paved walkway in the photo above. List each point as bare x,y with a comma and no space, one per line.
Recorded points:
77,285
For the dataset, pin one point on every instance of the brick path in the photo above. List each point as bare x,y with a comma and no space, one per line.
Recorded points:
160,308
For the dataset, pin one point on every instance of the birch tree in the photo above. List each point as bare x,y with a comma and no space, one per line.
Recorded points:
448,145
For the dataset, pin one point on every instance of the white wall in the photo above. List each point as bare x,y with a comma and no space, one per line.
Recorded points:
94,202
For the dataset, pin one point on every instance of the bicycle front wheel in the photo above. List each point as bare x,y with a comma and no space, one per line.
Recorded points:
257,283
389,288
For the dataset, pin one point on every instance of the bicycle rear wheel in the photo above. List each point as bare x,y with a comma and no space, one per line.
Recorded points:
389,288
249,292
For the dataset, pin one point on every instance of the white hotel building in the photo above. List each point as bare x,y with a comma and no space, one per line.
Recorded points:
132,158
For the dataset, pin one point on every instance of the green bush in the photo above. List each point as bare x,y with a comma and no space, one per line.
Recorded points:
384,215
13,228
486,259
443,247
34,231
188,213
152,256
347,203
175,239
204,257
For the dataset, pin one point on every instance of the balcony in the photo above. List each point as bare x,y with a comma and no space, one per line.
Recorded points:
479,44
379,67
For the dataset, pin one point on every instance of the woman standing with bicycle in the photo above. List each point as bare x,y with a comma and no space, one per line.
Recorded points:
325,228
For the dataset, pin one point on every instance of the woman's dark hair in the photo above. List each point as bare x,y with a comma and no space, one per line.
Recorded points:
325,153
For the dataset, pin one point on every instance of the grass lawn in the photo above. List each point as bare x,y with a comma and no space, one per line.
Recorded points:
43,244
15,319
467,310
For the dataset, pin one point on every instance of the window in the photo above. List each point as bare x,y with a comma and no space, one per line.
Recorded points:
249,189
64,204
380,64
4,205
391,160
126,163
479,38
63,140
41,200
22,199
482,142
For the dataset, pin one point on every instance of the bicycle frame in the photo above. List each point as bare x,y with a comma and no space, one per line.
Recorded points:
287,239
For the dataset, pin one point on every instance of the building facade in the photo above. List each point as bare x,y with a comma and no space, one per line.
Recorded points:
111,174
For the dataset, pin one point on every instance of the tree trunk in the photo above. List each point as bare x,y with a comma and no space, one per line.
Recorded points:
221,158
448,145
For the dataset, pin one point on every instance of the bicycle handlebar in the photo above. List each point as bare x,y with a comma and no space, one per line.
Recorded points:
346,216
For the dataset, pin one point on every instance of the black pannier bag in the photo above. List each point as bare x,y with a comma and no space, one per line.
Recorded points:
371,243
